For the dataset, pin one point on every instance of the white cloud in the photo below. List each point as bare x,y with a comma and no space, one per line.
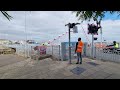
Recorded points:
47,25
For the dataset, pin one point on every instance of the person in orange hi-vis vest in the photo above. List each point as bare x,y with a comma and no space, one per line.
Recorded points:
78,50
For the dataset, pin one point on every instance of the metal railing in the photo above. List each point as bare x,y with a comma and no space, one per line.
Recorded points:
28,51
21,50
55,51
102,54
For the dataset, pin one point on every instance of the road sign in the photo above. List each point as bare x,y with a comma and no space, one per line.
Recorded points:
75,29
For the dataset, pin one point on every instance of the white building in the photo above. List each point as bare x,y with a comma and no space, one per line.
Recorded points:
5,41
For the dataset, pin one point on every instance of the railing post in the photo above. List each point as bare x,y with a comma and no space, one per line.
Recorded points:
52,50
95,52
59,52
31,52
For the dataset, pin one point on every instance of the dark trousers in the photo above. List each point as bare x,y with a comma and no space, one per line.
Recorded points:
79,56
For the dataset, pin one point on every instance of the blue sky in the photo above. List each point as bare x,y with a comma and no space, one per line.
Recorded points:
111,16
48,25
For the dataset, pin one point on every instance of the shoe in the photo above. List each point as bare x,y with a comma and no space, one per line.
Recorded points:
77,63
80,62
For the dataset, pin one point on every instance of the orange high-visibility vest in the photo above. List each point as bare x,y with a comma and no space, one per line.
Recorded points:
79,46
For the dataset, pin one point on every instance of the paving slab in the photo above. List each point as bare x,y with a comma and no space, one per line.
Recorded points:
9,59
52,69
77,70
74,77
114,76
99,75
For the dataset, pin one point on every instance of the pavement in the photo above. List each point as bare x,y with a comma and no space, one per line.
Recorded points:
16,67
9,59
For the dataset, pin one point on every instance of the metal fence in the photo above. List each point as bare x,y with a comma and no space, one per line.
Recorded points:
54,50
101,54
28,50
57,52
113,55
21,50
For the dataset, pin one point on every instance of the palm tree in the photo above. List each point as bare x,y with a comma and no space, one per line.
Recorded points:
92,15
6,15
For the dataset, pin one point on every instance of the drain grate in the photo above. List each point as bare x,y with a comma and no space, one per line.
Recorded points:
92,63
78,70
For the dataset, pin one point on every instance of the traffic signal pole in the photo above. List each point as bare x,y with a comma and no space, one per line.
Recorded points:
101,37
92,51
69,48
93,30
99,23
70,25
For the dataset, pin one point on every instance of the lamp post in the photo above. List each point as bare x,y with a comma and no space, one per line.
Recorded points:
70,26
25,38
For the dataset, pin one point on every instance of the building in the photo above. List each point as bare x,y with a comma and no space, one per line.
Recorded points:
30,41
5,41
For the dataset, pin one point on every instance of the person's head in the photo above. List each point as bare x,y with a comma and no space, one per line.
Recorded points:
79,39
114,42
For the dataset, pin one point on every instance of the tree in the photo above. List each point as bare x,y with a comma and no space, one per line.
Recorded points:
6,15
93,15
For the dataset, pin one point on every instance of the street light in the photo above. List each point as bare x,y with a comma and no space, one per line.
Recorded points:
70,26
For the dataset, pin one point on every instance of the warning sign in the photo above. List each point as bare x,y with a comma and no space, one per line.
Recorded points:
42,50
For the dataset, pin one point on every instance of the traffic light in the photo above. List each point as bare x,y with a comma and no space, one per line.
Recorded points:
71,25
95,38
93,29
89,29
